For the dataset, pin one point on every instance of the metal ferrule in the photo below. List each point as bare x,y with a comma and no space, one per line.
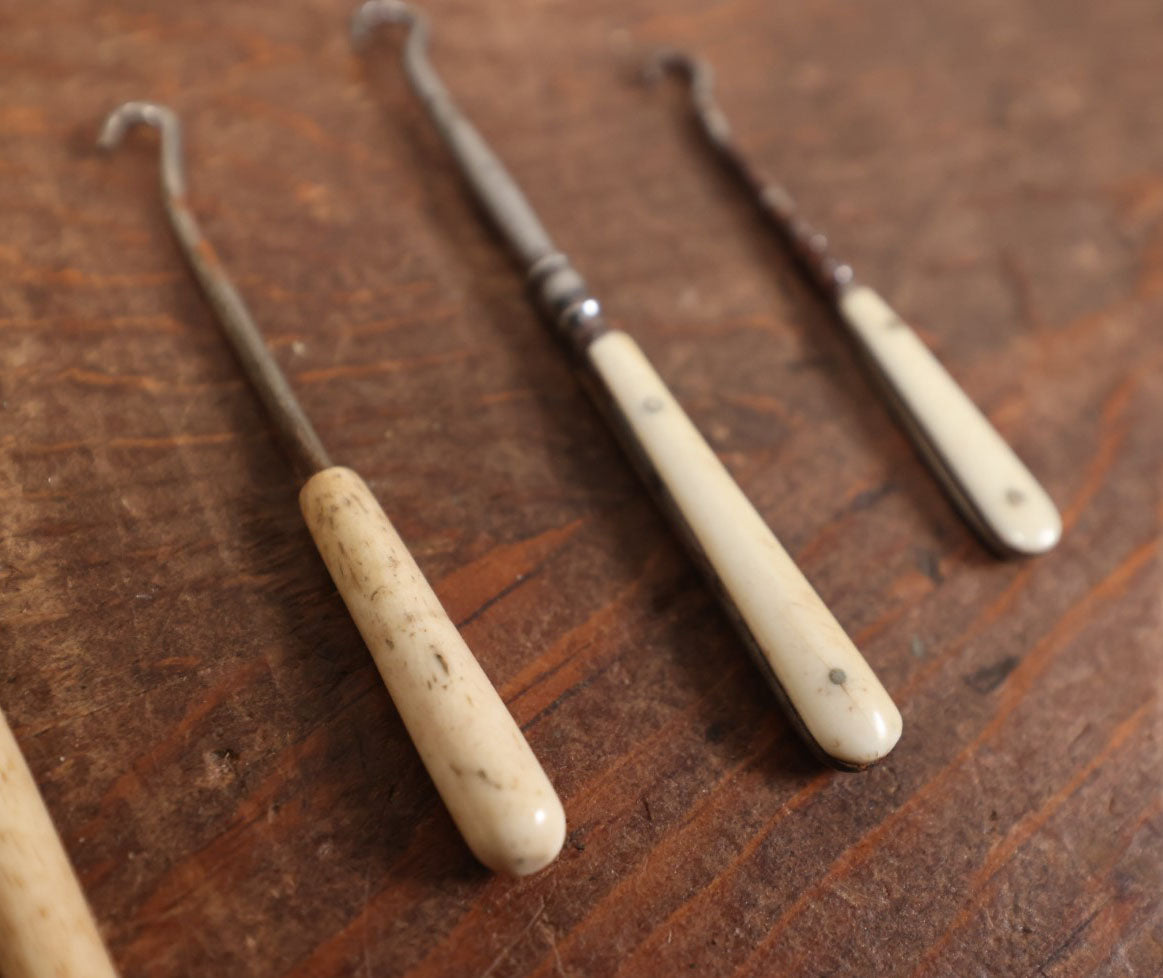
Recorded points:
562,297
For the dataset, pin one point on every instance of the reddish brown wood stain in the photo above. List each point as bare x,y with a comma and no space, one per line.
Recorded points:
209,732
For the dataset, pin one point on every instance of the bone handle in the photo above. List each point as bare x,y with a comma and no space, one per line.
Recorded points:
834,694
996,492
46,929
479,760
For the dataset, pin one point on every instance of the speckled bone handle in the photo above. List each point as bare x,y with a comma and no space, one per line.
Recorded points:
46,929
839,703
480,762
996,491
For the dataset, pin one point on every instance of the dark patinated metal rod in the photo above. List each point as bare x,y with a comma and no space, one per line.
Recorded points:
809,245
832,694
295,431
997,495
478,758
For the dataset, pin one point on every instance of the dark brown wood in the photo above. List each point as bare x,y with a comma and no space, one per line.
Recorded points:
226,769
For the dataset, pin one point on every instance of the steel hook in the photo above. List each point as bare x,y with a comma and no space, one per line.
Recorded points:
302,443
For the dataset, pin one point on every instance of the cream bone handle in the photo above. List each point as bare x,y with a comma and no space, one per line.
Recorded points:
46,929
482,766
994,489
839,703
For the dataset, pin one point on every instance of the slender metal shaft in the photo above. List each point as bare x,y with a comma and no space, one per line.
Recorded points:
491,182
809,245
560,291
295,431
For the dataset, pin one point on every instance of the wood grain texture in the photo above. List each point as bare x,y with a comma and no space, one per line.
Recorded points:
228,773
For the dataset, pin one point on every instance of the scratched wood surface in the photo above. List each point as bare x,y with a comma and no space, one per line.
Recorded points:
226,769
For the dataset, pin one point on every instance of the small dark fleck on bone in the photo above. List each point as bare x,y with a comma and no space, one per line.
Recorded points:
443,664
483,775
1015,497
652,405
838,676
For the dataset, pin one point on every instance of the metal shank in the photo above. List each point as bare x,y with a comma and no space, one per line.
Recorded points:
560,291
809,245
298,436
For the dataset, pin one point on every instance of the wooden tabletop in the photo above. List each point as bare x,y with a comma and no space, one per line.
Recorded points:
227,771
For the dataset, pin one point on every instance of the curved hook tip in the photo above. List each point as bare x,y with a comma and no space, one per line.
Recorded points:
163,119
701,82
130,114
375,13
675,61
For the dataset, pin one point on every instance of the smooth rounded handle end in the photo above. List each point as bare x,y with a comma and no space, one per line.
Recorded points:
865,736
524,841
842,708
1033,531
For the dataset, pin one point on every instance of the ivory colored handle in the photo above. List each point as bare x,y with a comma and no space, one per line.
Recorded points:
996,492
46,929
840,704
480,762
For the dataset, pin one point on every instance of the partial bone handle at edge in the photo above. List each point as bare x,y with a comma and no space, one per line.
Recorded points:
838,698
997,490
480,762
46,928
